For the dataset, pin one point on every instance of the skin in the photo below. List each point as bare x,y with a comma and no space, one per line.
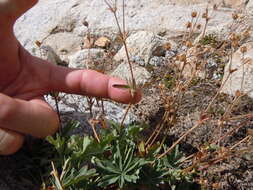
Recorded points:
24,79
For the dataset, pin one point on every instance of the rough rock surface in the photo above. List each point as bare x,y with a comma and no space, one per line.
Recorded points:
55,16
242,78
76,106
82,58
141,44
141,74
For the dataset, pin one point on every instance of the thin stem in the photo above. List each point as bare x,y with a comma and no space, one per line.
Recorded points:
243,140
242,82
223,84
123,36
157,131
124,19
56,176
95,133
126,112
181,138
226,156
229,133
58,111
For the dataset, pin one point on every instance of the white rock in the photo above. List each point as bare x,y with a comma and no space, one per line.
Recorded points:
54,16
140,73
140,44
226,3
116,113
38,22
64,42
76,106
47,53
242,79
81,58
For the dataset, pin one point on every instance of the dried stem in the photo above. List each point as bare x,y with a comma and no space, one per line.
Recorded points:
56,176
93,123
57,110
123,36
199,123
126,112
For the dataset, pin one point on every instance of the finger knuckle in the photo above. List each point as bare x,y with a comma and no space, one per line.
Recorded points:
6,108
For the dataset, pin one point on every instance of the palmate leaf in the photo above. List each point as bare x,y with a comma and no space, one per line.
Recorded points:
71,125
79,176
106,165
122,168
58,142
131,178
108,180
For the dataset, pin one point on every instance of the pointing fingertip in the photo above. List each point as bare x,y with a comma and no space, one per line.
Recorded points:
120,92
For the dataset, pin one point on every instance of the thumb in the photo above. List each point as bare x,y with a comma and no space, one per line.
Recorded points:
10,141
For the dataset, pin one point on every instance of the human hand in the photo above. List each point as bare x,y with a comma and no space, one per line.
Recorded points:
24,79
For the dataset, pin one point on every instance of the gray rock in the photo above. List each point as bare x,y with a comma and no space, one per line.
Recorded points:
169,54
140,73
75,107
138,60
157,61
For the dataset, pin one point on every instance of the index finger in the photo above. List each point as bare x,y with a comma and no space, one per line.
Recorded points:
90,83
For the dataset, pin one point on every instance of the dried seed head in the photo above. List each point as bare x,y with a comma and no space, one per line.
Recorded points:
235,16
205,15
237,93
188,44
167,46
235,44
243,49
199,26
182,57
215,7
194,14
38,43
85,23
161,86
233,37
246,33
188,24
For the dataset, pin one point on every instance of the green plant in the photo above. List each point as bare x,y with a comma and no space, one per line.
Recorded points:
121,168
116,161
209,39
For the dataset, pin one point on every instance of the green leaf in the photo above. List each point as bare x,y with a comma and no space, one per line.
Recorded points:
106,165
86,142
108,180
121,86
